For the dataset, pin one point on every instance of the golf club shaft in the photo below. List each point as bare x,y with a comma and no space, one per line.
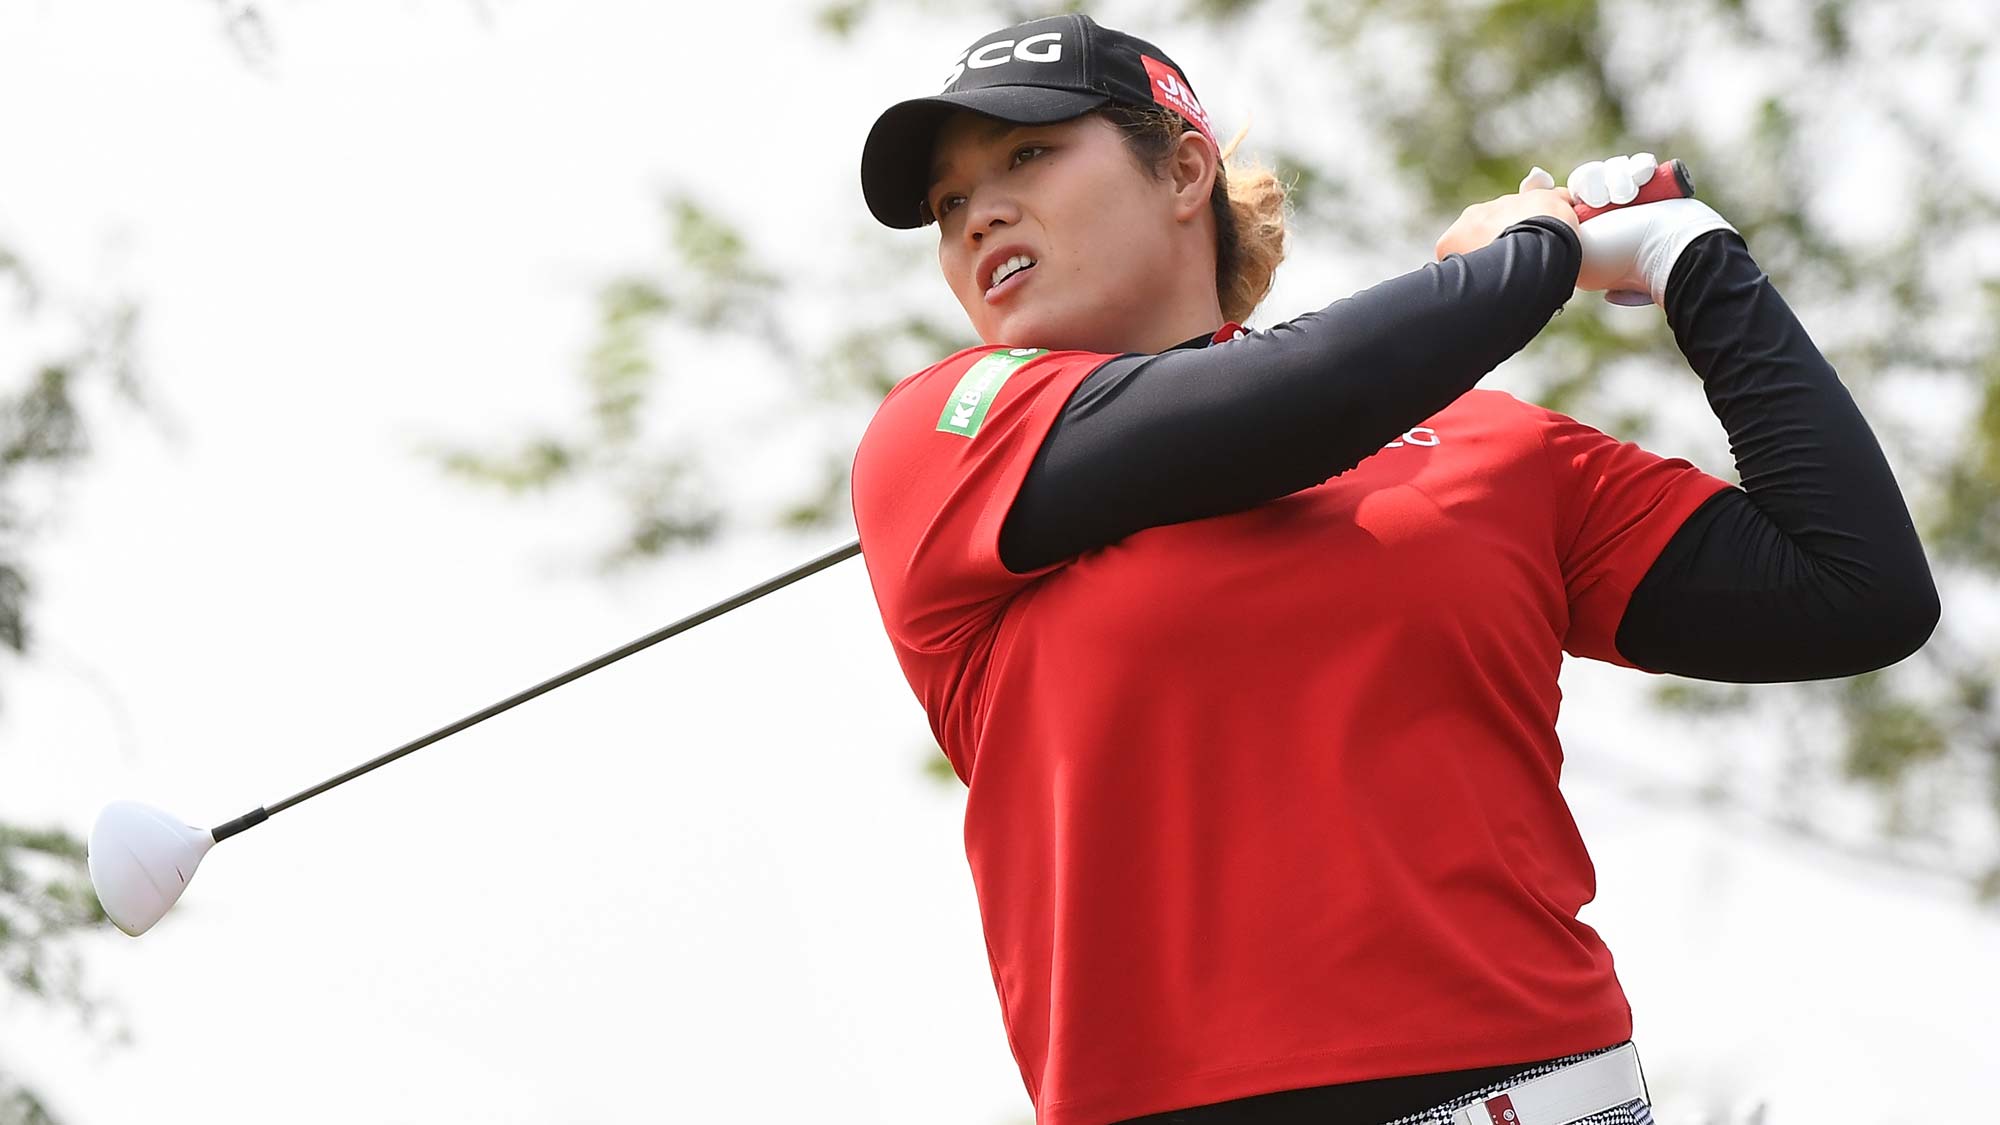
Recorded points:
258,816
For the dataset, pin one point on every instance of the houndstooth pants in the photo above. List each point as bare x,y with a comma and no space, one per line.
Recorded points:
1635,1112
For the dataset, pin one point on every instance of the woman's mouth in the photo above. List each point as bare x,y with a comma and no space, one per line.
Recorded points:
1008,276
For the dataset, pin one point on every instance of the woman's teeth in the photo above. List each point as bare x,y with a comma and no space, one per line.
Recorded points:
1009,268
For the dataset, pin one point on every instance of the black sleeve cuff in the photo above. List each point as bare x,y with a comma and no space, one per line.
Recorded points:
1571,262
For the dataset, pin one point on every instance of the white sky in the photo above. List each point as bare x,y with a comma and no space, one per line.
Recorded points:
707,883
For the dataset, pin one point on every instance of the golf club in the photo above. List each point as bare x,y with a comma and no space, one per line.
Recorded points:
141,859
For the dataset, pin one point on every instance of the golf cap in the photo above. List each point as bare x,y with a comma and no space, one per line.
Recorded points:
1033,73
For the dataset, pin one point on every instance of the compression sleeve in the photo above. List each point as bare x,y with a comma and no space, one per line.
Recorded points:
1150,440
1812,569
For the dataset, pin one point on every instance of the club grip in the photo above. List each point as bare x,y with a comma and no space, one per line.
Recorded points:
1671,180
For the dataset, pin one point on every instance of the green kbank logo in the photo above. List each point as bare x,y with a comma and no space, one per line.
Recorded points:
966,410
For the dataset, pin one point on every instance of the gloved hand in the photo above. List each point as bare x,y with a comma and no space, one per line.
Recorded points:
1629,252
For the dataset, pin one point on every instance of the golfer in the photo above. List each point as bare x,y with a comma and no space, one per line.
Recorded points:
1246,642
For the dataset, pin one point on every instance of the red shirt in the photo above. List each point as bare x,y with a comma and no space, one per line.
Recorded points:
1268,800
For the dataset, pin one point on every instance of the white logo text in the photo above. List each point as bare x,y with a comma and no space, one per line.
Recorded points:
1043,48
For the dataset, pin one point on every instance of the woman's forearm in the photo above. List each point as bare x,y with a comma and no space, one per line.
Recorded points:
1147,441
1813,569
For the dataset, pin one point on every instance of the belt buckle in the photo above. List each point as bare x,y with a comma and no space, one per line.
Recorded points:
1500,1108
1560,1097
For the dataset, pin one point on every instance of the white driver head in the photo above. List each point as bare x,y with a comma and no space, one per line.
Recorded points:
140,861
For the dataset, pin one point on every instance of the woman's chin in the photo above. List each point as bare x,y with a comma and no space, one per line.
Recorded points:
1037,328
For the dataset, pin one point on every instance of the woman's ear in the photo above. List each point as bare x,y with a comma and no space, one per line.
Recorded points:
1193,164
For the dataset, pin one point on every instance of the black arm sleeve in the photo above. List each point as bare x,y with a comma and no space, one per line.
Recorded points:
1150,440
1812,569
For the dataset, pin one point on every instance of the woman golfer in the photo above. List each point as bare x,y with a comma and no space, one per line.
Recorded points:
1247,644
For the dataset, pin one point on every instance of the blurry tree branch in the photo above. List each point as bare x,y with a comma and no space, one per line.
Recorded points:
44,893
79,348
712,297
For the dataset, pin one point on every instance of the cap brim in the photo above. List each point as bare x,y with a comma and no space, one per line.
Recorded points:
896,161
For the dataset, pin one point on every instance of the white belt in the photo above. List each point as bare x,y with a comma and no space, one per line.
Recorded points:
1580,1089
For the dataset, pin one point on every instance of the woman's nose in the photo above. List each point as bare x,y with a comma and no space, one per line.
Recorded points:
988,210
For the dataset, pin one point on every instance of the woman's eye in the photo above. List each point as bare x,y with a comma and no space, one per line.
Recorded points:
1028,152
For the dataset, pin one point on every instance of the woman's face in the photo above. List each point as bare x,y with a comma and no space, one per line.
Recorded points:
1101,232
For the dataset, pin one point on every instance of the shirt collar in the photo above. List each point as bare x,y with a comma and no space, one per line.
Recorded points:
1229,331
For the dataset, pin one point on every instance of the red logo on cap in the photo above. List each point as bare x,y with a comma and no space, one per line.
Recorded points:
1171,90
1501,1111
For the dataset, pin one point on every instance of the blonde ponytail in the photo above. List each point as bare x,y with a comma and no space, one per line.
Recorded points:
1246,263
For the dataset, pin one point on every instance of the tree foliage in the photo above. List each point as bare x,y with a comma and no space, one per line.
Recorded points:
635,441
45,895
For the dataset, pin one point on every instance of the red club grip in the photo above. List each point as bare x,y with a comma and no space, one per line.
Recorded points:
1671,181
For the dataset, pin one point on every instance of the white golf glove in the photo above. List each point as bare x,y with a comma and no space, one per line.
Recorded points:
1629,252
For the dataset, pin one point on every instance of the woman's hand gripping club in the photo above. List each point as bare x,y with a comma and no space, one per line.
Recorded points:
1635,216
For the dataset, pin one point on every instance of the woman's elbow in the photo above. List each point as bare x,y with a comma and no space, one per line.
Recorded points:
1904,623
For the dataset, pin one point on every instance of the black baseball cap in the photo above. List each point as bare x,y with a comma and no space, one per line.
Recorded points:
1032,73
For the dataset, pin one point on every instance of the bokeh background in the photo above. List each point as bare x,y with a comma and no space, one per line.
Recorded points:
361,363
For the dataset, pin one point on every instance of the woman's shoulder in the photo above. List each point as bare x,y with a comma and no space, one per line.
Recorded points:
972,376
962,360
966,393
